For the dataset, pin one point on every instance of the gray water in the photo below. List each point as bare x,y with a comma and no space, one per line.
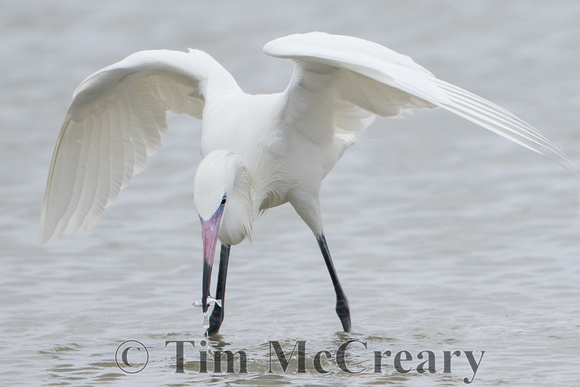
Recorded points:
446,237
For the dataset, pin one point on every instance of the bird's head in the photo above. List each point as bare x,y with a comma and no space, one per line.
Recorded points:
222,196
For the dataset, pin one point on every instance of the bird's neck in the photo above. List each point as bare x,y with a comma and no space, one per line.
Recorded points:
239,215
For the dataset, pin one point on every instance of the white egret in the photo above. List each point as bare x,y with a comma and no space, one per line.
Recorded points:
259,151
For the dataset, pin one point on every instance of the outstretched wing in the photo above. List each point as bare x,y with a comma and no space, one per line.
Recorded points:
116,119
367,77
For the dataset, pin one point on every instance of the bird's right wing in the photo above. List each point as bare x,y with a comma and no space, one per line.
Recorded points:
115,121
361,77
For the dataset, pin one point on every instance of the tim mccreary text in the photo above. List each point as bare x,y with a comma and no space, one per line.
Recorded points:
323,361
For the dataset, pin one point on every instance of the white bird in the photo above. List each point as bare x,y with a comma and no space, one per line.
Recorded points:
259,151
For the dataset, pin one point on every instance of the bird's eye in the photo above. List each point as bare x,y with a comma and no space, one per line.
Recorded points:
223,203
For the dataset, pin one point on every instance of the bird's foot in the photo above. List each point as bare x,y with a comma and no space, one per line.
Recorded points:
215,321
343,312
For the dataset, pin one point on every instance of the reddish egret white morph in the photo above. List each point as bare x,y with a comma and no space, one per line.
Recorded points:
259,151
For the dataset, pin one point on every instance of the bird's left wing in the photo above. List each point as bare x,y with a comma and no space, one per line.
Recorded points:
364,77
116,119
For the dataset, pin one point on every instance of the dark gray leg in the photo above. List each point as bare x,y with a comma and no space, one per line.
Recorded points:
217,315
342,309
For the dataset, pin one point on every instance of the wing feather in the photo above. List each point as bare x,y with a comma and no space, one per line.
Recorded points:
115,121
383,82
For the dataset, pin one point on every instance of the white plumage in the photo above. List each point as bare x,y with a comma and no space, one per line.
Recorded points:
259,151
